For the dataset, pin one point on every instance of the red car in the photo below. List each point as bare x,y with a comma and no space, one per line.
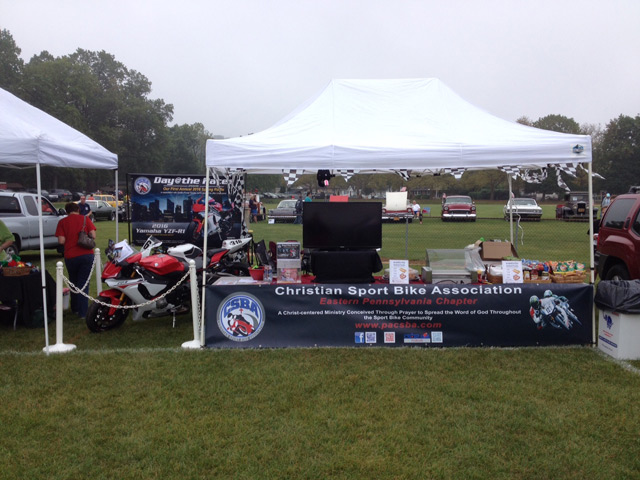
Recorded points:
458,207
618,247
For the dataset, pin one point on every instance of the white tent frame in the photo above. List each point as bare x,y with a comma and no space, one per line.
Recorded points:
31,137
310,139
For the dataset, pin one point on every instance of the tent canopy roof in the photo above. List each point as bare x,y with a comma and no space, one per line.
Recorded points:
29,136
388,125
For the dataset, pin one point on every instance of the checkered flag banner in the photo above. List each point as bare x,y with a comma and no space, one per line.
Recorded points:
593,174
534,177
215,178
569,168
290,176
456,172
513,172
347,174
561,183
405,174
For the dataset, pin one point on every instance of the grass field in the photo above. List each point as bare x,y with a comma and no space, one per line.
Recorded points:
131,404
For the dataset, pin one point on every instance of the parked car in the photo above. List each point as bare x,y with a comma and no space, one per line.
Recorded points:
618,245
101,210
458,207
19,212
62,195
403,215
110,199
44,193
284,212
397,208
575,207
525,208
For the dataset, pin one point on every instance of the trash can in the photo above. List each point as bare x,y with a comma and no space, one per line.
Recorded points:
619,318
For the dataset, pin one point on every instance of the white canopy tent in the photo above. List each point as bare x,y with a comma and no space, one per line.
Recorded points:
31,137
406,126
416,124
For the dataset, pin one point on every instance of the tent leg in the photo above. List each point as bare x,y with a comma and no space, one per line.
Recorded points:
592,277
204,250
117,200
43,270
510,182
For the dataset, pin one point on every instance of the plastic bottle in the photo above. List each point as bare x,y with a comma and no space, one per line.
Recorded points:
268,275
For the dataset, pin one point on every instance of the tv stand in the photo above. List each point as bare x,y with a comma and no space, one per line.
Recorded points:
345,266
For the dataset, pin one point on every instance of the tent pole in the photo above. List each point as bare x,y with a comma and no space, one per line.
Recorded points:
510,202
117,202
591,253
204,255
43,270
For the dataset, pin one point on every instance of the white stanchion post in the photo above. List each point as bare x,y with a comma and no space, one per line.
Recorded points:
195,312
59,347
98,262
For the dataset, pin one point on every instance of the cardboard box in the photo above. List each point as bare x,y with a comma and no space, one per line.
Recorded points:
496,250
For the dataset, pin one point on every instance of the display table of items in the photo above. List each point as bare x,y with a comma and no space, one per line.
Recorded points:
450,303
21,295
458,308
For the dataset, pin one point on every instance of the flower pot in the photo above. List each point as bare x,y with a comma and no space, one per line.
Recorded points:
257,273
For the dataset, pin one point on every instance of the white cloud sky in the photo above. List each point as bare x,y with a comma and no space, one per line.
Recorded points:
238,66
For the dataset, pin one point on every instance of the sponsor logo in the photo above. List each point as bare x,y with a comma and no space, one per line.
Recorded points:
370,337
389,337
609,321
359,337
436,337
578,149
142,185
240,317
417,338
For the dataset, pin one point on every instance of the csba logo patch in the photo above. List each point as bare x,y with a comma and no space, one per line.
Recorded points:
142,185
240,317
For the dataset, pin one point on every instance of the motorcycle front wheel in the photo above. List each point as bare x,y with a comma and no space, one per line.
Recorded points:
98,318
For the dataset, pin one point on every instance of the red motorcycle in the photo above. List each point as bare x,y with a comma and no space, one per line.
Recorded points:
155,282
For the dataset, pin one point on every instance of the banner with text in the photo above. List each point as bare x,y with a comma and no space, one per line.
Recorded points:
299,315
171,208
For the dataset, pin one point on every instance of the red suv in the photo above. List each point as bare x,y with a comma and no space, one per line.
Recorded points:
618,247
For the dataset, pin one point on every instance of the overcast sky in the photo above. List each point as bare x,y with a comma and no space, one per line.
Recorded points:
238,66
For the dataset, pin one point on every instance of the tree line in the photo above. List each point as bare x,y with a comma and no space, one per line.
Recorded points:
99,96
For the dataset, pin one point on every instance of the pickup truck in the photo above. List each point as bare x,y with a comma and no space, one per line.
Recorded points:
19,212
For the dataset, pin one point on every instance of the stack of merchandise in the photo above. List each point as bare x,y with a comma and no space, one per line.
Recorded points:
535,271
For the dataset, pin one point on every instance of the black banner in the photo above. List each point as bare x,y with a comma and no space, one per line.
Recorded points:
299,315
171,208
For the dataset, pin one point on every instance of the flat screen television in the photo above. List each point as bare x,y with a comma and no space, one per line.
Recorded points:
342,225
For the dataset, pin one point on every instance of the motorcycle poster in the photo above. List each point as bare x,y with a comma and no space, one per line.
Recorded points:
172,207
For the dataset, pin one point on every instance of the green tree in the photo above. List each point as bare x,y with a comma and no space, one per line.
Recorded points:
264,183
490,180
558,123
99,96
10,62
619,154
187,149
